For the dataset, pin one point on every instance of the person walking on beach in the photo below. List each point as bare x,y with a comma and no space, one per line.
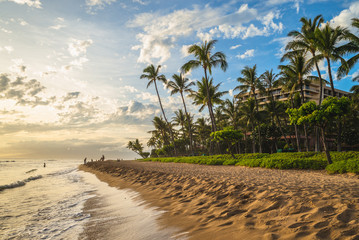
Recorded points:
44,164
85,160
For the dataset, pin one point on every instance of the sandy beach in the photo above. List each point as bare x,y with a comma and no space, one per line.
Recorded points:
232,202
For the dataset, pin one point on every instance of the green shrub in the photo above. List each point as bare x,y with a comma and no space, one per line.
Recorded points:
342,161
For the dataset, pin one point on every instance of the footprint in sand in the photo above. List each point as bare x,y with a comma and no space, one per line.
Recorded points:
323,233
321,224
345,216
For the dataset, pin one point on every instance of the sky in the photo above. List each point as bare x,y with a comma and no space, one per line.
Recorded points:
70,70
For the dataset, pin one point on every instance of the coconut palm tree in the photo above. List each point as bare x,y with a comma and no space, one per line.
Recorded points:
230,110
151,73
327,40
202,95
298,70
179,120
352,47
205,59
182,85
307,41
161,128
251,117
203,131
251,82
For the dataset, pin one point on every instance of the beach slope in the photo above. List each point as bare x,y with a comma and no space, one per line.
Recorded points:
231,202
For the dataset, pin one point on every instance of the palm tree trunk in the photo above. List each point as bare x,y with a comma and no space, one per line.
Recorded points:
320,80
189,124
259,125
317,130
164,116
281,129
304,125
339,136
330,77
209,103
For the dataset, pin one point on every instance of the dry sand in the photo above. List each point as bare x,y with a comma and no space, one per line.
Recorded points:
231,202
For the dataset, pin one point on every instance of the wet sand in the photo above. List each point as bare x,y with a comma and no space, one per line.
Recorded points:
232,202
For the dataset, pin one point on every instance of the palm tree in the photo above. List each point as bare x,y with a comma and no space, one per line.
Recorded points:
307,41
355,88
251,82
203,131
251,116
179,120
182,85
327,39
151,73
230,110
202,95
205,59
298,69
162,128
352,47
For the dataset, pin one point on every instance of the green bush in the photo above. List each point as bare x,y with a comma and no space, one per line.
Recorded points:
342,161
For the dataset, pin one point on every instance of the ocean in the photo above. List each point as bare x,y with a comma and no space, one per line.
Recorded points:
38,202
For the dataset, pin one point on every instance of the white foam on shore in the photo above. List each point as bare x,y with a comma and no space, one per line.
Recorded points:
125,214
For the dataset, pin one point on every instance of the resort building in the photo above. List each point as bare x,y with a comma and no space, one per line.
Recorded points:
311,93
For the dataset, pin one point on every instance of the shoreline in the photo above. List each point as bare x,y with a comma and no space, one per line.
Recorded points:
231,202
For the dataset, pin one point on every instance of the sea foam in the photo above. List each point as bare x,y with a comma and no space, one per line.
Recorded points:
19,183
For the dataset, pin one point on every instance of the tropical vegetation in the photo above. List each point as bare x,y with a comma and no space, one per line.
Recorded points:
270,112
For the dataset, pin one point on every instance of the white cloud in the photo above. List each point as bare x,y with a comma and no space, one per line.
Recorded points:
283,42
7,49
21,21
140,2
235,46
78,47
344,19
130,89
5,30
296,3
184,50
30,3
249,53
59,24
98,2
160,33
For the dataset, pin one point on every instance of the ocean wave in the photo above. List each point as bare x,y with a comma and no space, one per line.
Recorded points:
19,183
32,170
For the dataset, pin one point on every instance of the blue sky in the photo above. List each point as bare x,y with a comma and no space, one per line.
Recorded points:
70,85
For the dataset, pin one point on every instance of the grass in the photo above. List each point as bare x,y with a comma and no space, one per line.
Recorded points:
343,162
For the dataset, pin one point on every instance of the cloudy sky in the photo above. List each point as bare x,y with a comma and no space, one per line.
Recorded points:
69,83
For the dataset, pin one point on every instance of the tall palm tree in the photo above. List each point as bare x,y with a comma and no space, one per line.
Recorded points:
251,82
182,85
298,70
151,73
162,128
205,59
179,120
351,47
327,40
230,110
252,117
202,95
307,41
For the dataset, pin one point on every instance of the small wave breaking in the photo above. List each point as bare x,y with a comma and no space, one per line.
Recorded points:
30,171
19,183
